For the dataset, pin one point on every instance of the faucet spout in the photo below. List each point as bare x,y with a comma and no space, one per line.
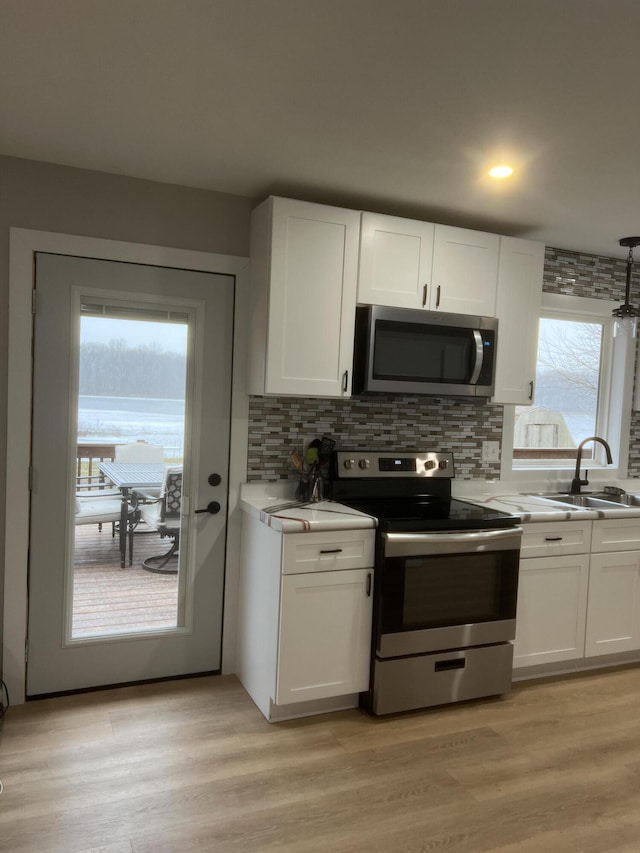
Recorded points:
577,482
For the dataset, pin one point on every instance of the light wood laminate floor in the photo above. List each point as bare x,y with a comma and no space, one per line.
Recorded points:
192,766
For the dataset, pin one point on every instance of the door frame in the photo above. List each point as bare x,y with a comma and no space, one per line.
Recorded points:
23,244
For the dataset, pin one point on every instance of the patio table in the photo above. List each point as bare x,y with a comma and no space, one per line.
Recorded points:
126,476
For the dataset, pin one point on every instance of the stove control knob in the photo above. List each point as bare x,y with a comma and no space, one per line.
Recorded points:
349,464
443,464
363,463
429,464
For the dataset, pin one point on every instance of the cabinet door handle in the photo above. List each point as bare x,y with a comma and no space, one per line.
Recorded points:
368,585
345,381
553,538
331,550
424,295
531,390
438,297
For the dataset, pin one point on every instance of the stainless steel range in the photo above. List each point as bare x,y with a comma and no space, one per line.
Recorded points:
446,581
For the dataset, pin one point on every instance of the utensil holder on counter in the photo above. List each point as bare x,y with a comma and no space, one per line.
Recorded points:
310,488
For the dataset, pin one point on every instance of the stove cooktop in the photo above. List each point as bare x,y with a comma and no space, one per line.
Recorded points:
407,491
426,512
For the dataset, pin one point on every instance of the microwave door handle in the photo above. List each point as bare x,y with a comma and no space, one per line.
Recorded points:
477,367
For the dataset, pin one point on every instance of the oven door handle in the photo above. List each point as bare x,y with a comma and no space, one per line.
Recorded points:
425,544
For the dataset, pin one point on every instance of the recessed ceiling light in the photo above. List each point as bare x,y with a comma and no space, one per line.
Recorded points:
502,171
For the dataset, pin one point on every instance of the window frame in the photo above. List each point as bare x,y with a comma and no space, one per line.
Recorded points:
613,418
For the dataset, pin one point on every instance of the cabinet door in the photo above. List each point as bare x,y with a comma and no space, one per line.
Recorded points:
518,311
613,616
552,604
325,635
312,299
395,261
465,271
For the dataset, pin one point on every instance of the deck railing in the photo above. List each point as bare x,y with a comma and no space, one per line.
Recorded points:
90,453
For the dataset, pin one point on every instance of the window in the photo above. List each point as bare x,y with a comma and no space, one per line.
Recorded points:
584,382
567,398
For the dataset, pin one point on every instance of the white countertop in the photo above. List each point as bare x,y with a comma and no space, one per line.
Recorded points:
259,500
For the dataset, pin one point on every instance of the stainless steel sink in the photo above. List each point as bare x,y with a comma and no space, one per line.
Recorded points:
621,500
592,501
585,501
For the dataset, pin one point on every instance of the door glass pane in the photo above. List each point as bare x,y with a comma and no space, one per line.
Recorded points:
565,408
131,415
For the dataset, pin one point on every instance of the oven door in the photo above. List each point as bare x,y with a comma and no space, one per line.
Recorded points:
442,591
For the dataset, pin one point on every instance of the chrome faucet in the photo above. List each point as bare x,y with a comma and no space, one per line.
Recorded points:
577,482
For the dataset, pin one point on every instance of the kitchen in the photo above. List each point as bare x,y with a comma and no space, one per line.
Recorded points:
281,362
62,198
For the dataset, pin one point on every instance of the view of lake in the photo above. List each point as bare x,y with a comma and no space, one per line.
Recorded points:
122,419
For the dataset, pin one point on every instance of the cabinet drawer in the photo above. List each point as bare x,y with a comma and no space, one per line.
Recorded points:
557,537
616,535
326,552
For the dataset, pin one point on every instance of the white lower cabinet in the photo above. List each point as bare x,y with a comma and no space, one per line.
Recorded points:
583,604
304,618
613,615
325,635
552,592
552,603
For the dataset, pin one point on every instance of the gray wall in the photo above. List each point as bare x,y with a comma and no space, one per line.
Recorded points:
45,197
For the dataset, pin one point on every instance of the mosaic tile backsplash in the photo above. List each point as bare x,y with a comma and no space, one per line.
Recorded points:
278,425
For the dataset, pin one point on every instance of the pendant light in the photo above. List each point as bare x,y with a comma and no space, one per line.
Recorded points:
627,314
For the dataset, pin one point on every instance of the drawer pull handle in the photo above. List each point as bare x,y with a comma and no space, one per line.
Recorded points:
455,663
369,585
331,551
553,538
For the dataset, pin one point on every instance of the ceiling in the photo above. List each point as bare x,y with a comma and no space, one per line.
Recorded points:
389,105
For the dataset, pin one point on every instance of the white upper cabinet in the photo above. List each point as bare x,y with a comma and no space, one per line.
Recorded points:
407,263
465,271
396,257
304,267
518,311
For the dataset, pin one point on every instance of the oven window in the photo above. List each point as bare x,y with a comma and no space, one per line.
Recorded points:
454,589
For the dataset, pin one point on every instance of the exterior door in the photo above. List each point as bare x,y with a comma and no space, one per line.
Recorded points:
61,657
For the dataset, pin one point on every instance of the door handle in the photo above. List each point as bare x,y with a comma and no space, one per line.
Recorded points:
212,507
424,295
438,297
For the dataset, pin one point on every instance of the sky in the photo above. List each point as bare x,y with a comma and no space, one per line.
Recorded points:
172,337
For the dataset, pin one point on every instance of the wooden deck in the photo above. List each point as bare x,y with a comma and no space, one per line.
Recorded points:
111,600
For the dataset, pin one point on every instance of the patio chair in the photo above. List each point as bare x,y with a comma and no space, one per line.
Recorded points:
139,451
163,514
101,510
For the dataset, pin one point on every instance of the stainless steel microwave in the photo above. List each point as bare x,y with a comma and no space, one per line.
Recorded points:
409,351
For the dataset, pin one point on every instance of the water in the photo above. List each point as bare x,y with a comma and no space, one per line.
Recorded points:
124,419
